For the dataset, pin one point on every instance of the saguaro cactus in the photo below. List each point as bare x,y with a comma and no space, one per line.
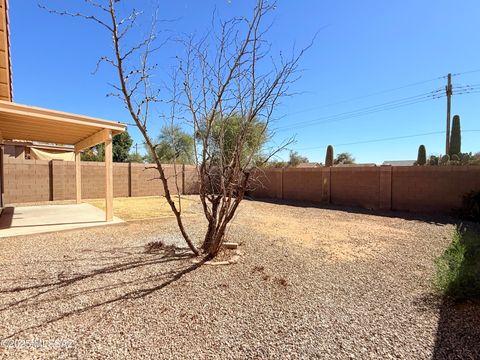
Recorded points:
455,137
422,155
329,156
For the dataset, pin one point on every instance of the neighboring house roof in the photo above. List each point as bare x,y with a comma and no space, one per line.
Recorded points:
309,165
354,165
5,62
39,145
400,162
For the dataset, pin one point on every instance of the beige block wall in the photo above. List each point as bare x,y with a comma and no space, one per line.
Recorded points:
414,188
432,189
311,181
355,186
26,181
417,189
267,184
34,180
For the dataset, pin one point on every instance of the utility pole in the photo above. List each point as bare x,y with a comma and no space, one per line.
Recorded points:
448,89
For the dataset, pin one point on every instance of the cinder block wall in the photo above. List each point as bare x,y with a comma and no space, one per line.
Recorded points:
267,184
35,180
355,186
27,181
432,189
311,184
417,188
427,189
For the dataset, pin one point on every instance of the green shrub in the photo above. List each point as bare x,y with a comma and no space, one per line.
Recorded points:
471,206
465,158
455,157
433,160
458,268
444,160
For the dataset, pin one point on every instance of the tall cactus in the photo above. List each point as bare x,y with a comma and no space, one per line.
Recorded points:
455,137
422,155
329,156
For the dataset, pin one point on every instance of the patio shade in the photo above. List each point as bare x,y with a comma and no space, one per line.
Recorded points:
21,122
38,154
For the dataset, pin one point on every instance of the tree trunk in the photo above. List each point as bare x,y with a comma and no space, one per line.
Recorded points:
209,236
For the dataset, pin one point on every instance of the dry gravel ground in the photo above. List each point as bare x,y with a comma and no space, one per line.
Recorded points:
312,283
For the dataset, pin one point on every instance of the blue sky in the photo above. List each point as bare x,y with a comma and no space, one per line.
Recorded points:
363,48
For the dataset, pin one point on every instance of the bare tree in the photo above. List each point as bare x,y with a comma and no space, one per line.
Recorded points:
225,75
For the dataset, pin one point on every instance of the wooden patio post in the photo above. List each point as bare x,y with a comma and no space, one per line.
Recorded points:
108,178
78,177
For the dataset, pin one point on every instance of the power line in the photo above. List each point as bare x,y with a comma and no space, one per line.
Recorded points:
390,105
477,91
385,139
366,96
382,92
465,72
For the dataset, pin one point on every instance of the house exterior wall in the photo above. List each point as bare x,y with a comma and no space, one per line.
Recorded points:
5,67
15,151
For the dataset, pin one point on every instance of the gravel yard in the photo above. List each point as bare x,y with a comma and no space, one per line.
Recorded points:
311,283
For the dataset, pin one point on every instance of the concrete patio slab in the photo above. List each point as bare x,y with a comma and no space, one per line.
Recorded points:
27,220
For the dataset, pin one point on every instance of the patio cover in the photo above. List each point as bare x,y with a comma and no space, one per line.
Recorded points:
21,122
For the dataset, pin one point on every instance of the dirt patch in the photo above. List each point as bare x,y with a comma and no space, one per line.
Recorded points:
340,235
143,208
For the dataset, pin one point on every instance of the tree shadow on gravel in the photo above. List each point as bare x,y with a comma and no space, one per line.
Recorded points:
458,331
99,285
410,216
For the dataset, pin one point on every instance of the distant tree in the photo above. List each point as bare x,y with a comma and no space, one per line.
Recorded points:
90,154
475,159
329,156
121,144
296,159
422,155
276,164
225,133
136,158
344,158
173,144
455,137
